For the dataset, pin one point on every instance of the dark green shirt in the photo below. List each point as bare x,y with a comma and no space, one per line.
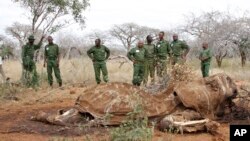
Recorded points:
137,54
101,53
151,51
51,51
162,49
206,53
178,47
29,50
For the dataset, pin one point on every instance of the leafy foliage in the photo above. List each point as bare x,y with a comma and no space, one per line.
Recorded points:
44,13
136,127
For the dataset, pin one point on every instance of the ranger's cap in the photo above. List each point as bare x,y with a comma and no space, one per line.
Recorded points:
31,37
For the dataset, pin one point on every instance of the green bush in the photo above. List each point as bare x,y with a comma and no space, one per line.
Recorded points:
136,127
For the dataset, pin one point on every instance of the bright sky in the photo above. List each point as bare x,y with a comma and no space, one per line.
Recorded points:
102,14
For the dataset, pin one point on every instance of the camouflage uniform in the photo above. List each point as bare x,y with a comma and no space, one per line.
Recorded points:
137,55
178,47
99,55
205,64
162,51
149,63
51,54
29,65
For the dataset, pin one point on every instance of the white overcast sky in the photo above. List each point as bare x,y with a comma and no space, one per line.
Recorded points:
102,14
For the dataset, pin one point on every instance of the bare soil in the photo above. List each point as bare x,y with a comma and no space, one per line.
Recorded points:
15,123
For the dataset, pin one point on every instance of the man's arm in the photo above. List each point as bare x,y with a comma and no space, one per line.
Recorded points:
208,56
130,55
146,52
38,46
169,51
58,55
108,53
23,52
89,53
200,56
187,49
45,57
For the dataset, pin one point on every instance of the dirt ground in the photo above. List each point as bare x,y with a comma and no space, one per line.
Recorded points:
16,124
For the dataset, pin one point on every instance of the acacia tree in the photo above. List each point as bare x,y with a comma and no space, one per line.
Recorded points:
241,37
226,34
49,15
212,27
21,32
129,33
103,35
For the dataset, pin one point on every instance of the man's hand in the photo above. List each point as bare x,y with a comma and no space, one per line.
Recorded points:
57,64
43,36
184,57
133,61
203,58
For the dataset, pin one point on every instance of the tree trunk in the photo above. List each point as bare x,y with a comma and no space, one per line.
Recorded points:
243,58
219,61
129,46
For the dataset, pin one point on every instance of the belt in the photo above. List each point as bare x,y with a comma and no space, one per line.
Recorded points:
162,57
176,55
52,58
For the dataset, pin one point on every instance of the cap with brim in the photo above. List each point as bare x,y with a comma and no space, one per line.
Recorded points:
31,37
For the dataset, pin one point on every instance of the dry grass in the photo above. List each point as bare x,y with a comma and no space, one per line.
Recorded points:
81,69
74,71
231,67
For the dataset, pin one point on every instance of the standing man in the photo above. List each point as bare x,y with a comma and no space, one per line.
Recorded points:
179,50
52,59
205,57
1,63
137,55
162,51
150,60
29,65
99,54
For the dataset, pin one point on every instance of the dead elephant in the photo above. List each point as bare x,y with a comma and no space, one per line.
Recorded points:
109,104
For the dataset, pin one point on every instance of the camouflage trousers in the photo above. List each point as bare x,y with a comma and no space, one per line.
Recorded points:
100,66
30,75
177,60
149,70
138,74
205,69
52,65
161,67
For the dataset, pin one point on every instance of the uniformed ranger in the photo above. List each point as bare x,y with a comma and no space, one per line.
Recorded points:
52,59
29,66
162,53
179,50
205,57
138,55
99,55
150,60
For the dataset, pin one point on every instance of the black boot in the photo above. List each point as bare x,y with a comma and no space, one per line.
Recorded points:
60,84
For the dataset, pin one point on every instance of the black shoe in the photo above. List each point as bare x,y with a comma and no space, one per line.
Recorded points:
60,84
